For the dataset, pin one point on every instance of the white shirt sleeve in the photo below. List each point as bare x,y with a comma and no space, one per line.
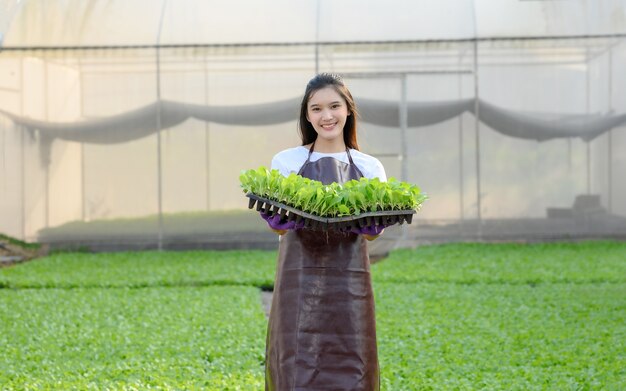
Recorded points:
278,165
290,160
369,166
377,171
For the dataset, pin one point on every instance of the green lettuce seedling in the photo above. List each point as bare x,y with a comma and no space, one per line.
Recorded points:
334,200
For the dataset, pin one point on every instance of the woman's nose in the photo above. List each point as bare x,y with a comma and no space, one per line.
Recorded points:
326,114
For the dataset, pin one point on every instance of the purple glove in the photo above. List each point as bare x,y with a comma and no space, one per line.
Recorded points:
274,222
372,230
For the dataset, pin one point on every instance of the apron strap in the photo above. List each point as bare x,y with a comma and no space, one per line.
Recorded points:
349,156
308,158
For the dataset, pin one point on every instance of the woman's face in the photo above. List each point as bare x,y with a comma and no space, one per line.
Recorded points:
327,111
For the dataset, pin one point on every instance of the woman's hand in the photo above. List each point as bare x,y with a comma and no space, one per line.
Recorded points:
373,237
280,228
370,233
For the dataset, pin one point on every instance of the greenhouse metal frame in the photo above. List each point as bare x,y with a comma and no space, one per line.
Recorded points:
176,123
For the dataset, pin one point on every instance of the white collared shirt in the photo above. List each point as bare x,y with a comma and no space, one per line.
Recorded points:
290,160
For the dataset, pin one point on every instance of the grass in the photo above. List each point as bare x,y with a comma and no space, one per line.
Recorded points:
450,317
581,262
436,336
166,338
144,269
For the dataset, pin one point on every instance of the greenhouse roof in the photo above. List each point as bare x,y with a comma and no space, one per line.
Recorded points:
91,23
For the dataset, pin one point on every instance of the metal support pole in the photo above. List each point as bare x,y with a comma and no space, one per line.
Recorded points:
158,132
46,181
477,128
610,137
587,109
317,37
609,157
404,124
207,148
48,156
461,157
82,183
588,149
23,175
82,149
159,163
22,157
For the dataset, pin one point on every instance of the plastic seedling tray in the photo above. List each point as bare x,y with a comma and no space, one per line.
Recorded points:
367,219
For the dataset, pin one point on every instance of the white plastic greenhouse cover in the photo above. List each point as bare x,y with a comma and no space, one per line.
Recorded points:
118,119
79,23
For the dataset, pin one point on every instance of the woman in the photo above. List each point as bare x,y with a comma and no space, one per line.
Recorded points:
322,332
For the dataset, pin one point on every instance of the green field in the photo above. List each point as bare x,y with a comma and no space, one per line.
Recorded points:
450,317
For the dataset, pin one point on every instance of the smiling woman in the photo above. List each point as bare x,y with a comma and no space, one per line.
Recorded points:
322,332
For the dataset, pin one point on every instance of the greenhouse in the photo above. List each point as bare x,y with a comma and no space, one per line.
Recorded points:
127,124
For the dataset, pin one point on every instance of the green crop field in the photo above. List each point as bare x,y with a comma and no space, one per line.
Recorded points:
450,317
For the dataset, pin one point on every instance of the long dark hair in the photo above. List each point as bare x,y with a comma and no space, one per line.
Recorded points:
322,80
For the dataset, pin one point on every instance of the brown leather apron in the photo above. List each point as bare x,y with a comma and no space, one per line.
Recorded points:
322,330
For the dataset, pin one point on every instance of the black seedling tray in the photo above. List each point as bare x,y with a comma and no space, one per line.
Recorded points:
367,219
